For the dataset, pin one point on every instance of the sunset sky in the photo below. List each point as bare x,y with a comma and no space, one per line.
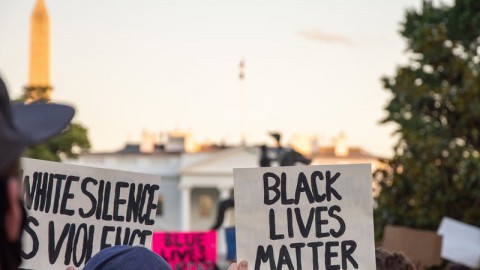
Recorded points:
312,66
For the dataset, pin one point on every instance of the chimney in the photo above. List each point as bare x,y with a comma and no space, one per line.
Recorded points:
175,142
341,147
147,144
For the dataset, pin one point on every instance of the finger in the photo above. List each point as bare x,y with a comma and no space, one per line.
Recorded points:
243,265
233,266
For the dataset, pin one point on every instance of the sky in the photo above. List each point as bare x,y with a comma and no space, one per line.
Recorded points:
312,67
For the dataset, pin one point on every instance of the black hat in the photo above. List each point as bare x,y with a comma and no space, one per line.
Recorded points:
127,258
22,124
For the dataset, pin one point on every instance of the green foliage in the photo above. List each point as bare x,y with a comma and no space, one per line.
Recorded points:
435,170
70,143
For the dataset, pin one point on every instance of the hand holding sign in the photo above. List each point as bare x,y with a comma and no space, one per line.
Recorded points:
306,217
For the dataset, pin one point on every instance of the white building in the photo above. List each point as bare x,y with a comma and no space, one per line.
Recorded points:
193,184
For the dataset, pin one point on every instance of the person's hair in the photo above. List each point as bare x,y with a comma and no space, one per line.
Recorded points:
387,260
12,169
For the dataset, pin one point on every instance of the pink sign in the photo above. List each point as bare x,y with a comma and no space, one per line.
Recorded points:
187,250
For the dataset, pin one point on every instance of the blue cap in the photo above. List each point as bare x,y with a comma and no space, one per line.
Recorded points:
127,258
22,125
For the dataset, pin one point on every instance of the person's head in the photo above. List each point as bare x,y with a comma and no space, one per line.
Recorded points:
387,260
127,258
21,125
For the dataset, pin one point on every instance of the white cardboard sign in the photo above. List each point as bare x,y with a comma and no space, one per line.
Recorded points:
461,242
305,217
75,211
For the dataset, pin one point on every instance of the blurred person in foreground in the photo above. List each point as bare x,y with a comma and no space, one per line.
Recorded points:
21,125
134,258
126,258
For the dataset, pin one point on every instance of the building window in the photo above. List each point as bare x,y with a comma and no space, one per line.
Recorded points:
205,204
160,205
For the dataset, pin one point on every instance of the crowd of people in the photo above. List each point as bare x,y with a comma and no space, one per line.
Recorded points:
22,125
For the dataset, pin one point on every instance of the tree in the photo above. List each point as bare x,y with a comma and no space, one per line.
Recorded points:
71,143
435,170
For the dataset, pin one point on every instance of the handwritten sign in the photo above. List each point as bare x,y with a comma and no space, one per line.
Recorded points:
461,242
75,211
187,250
305,217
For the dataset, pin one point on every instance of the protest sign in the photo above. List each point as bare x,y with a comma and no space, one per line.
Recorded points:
461,242
187,250
421,246
305,217
75,211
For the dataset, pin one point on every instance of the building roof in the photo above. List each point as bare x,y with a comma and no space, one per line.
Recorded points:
159,149
135,149
353,152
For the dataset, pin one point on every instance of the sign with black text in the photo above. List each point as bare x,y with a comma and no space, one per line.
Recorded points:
305,217
75,211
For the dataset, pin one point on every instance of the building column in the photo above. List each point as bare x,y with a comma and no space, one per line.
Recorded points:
186,208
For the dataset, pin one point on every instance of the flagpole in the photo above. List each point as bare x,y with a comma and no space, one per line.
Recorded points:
243,100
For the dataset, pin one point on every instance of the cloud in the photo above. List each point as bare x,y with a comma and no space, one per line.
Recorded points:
318,35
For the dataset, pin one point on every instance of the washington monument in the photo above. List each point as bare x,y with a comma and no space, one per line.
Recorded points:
39,87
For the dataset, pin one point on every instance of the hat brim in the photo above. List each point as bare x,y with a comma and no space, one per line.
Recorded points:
40,121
